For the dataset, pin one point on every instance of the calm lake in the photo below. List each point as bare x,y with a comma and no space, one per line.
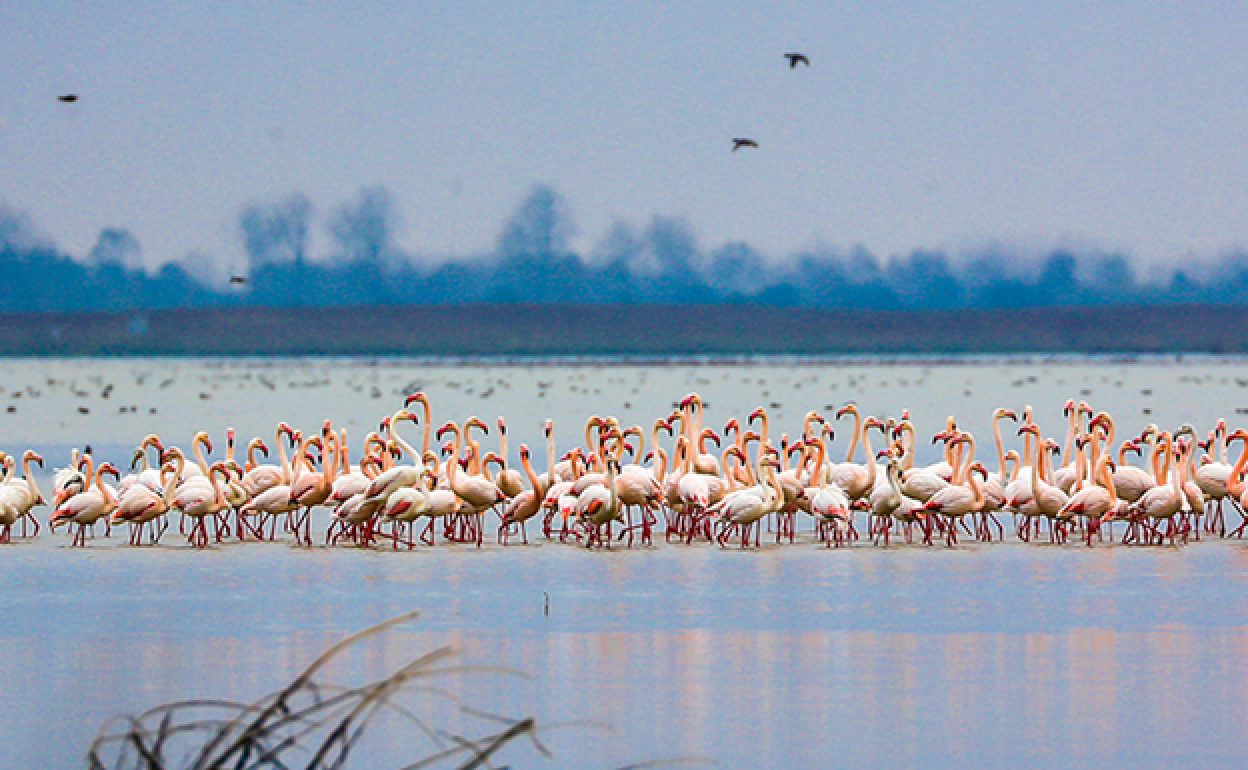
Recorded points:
789,656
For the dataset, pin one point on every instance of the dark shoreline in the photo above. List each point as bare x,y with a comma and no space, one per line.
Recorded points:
627,330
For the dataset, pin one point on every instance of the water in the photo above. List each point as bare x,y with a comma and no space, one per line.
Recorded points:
1032,656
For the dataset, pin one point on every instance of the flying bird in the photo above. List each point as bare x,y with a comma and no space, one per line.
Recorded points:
739,143
67,98
794,58
237,279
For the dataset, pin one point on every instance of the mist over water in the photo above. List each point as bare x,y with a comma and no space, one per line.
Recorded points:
296,254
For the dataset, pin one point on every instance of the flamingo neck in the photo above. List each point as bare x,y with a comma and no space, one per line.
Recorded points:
538,489
853,442
199,456
996,433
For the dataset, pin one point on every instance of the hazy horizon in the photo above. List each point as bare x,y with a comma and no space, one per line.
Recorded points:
1024,127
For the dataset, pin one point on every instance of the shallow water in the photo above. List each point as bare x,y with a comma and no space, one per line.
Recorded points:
789,656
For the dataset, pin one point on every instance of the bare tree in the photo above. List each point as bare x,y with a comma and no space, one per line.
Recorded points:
277,232
362,230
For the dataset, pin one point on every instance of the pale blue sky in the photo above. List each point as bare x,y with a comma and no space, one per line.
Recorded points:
1113,125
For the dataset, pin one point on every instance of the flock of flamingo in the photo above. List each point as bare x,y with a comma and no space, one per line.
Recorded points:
592,496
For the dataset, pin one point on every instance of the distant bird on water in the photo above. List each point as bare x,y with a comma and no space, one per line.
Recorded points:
67,98
739,143
794,58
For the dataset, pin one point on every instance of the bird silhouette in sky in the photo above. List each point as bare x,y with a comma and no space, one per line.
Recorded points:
794,58
67,98
739,143
237,279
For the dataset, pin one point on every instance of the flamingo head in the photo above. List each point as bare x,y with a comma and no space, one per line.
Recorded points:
1069,407
1238,435
33,456
1002,413
872,422
502,426
476,422
416,397
229,436
263,447
979,467
758,414
326,428
448,427
203,438
850,408
524,451
548,428
1031,428
732,425
447,448
110,469
712,435
134,459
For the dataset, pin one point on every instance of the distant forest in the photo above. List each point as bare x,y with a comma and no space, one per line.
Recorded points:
533,262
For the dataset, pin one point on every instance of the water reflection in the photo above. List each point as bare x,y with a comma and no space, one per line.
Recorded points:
1009,655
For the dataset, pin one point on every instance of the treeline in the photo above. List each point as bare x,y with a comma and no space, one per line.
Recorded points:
534,262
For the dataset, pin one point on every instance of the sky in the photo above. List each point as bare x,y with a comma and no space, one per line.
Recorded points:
1096,125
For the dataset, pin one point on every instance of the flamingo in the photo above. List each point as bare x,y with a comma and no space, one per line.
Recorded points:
261,478
478,493
19,496
90,505
201,503
509,479
888,502
139,505
1166,499
313,489
599,505
1093,501
961,497
399,475
745,508
828,503
523,506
